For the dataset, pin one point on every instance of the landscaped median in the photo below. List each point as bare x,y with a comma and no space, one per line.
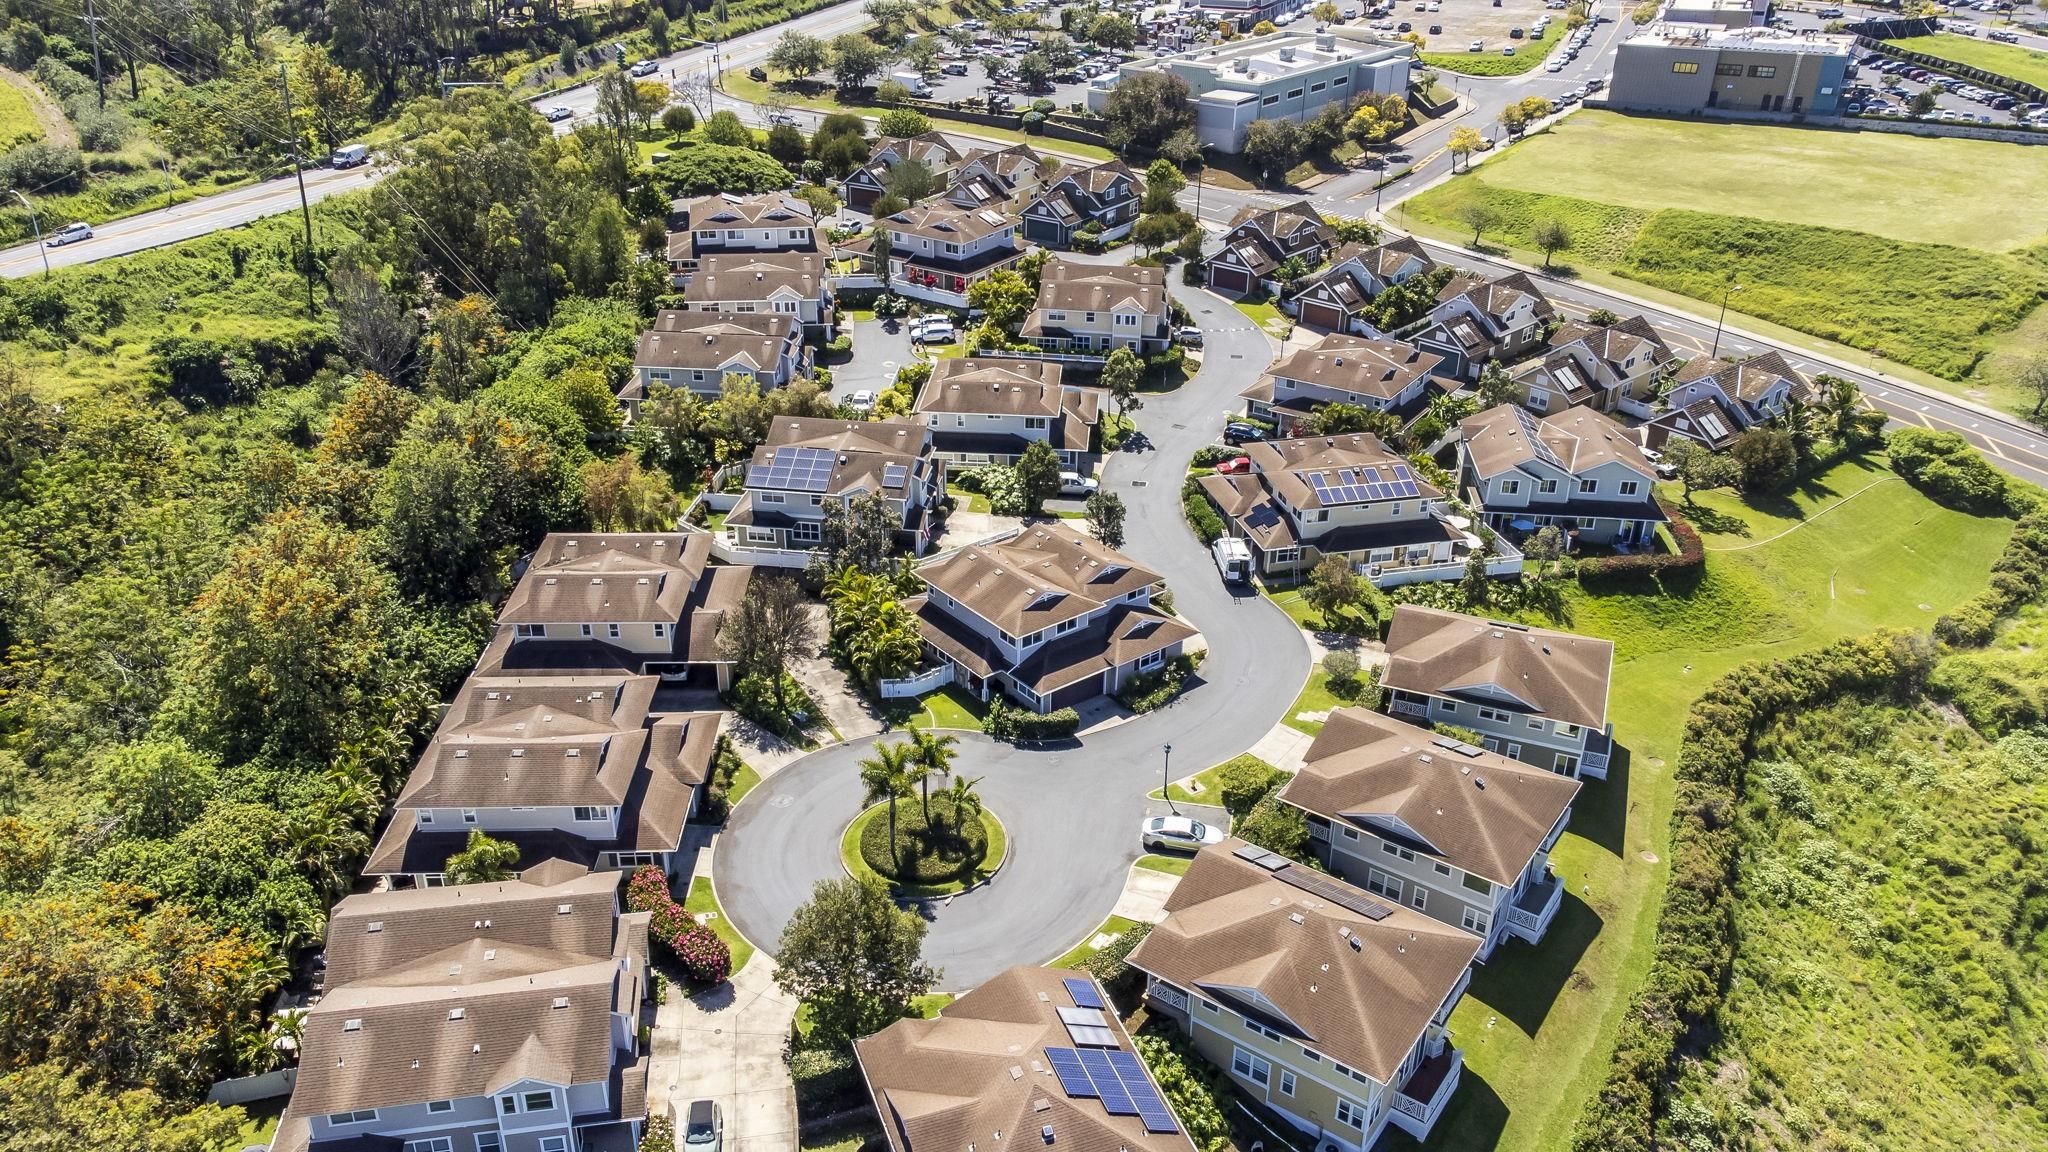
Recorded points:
944,857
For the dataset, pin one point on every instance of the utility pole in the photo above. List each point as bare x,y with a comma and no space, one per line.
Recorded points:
35,224
299,171
99,78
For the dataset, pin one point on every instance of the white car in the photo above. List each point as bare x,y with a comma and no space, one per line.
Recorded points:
861,401
646,67
1075,484
941,333
1177,834
556,114
69,234
1554,66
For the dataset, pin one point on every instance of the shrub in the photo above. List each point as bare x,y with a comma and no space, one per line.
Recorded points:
1202,516
647,891
1200,1096
945,850
703,956
839,346
1005,721
1945,467
1246,781
826,1080
1167,361
754,698
1210,455
1342,669
2018,576
1153,690
1001,484
1276,827
1107,965
659,1135
1691,553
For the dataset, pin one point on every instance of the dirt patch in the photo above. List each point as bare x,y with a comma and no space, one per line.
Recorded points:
56,126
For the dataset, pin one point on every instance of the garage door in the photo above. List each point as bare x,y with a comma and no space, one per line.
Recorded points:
1322,315
1229,279
1077,693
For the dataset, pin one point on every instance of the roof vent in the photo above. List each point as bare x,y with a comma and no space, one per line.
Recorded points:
561,1002
1045,1133
455,1013
476,1049
376,926
1426,758
564,909
1480,781
1295,918
1356,946
352,1024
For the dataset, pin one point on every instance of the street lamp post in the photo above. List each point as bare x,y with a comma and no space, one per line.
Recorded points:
1731,290
35,224
1166,780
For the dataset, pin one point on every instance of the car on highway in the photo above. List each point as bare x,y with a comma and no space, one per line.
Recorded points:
1554,66
69,234
1177,834
1075,484
782,118
646,68
556,114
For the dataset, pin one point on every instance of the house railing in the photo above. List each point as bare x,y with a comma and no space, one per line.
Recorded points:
1056,357
1532,923
1411,708
1168,995
758,555
1425,1112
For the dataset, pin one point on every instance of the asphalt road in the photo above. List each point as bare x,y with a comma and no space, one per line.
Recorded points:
1071,812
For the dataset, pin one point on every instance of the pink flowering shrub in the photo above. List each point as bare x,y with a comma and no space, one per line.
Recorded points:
704,957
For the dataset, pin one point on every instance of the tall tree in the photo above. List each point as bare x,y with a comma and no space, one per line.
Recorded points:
1464,141
1333,587
483,860
1496,387
375,329
1038,470
620,496
1146,109
1552,236
857,59
770,628
854,957
1105,512
890,775
1122,373
860,534
931,755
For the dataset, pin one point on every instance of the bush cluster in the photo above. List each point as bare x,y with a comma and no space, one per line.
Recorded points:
1153,690
947,849
1008,722
703,957
1210,455
1199,1094
1108,964
1950,472
753,696
1245,781
1695,950
1691,554
659,1135
1202,516
827,1081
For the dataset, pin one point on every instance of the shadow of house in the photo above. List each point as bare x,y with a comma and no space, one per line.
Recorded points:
1523,982
1601,814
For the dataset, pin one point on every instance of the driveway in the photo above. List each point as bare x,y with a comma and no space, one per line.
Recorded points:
1071,811
877,354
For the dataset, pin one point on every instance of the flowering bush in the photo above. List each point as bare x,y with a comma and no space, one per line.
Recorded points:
647,891
704,957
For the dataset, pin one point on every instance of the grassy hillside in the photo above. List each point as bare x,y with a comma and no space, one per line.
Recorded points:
1888,985
1529,53
2021,63
18,123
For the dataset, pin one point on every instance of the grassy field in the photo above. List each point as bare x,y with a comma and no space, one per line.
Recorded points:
1113,926
18,122
1861,264
2024,64
1529,53
703,900
1538,1023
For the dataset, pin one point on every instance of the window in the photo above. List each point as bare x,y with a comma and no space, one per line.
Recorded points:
440,1105
530,631
1310,1056
1269,101
1448,707
1340,82
1686,67
1351,1114
1588,486
554,1144
1727,69
1474,921
1151,660
1495,715
1442,869
806,532
469,815
1762,71
1294,94
1286,1077
1539,401
1211,1006
588,813
660,631
1421,900
1350,833
1565,764
538,1101
612,630
424,816
1631,487
359,1116
1379,882
1393,849
1479,884
770,497
1536,723
1318,86
1036,423
489,1142
796,234
1088,317
431,1144
585,630
1571,730
1055,315
1546,487
1510,487
1251,1067
508,1105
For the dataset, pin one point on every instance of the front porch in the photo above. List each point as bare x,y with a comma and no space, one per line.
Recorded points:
1530,914
1421,1100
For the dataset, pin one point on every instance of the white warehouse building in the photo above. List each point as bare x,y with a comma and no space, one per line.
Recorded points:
1289,75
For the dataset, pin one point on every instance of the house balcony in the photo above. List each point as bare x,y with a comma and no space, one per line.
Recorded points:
1599,750
1530,915
1167,996
1421,1100
1416,708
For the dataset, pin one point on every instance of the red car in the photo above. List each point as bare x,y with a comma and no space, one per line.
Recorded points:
1234,467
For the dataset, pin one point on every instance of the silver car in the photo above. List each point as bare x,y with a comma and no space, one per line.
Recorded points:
1177,834
703,1126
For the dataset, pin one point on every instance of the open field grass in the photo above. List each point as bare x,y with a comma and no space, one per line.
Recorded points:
1937,306
1538,1023
18,121
1529,53
2027,65
703,901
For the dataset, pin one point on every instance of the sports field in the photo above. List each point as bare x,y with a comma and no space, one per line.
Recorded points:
2027,65
1968,193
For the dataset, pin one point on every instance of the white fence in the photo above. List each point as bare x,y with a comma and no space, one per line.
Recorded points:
249,1089
919,684
1089,358
1635,408
761,557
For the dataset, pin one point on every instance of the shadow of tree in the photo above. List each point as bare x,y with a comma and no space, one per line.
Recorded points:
1715,522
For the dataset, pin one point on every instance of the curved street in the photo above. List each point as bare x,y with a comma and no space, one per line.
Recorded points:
1071,811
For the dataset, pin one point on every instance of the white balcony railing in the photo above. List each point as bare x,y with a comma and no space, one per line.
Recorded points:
1416,1113
1168,995
1411,708
1530,914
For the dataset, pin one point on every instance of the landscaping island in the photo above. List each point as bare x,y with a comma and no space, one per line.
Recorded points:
954,852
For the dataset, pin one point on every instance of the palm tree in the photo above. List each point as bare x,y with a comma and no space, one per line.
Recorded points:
932,754
887,776
1843,399
966,801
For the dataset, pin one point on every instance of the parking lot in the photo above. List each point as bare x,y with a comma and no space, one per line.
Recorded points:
1888,94
1456,23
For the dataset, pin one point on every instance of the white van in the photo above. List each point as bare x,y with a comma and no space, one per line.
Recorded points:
913,81
351,155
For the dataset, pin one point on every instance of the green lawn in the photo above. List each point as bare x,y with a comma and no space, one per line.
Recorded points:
1202,787
849,856
968,501
847,1137
704,900
1859,262
743,782
1171,865
1114,926
2027,65
1529,53
930,1005
1267,316
949,707
259,1127
1299,609
1316,696
1538,1024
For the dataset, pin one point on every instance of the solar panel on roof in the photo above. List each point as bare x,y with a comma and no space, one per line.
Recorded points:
1342,895
893,475
1074,1079
1091,1037
1083,992
1116,1099
1089,1017
1144,1095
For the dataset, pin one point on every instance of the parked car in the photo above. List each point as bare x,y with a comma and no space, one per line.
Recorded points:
703,1126
758,75
69,234
1235,467
1192,337
1476,46
556,114
1554,66
861,401
1515,33
1508,51
1075,484
1235,433
1436,29
1405,27
1177,834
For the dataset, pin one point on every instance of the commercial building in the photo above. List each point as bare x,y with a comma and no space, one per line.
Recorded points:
1703,68
1719,13
1279,76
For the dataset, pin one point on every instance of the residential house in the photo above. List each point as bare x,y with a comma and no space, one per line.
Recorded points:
1033,1052
768,222
1477,321
497,1017
807,462
1104,195
1577,469
1382,375
1704,421
1751,392
640,603
1320,1001
1049,616
1597,366
1434,824
1532,694
1260,241
775,283
987,411
574,767
1347,495
869,182
1099,308
992,179
937,251
698,350
1335,299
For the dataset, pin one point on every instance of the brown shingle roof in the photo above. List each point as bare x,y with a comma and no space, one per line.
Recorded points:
1359,990
947,223
713,340
382,932
1354,364
979,1069
1749,379
727,276
863,450
1044,575
1483,813
1506,437
1559,675
1069,285
1287,466
608,577
779,209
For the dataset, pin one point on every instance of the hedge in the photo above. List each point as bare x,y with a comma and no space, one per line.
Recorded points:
1202,516
924,854
1695,948
703,956
826,1080
1153,690
1007,722
2018,576
1691,553
1950,472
